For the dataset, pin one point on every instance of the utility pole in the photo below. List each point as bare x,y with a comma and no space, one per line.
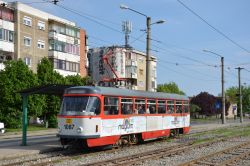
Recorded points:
240,95
148,68
223,120
223,92
148,58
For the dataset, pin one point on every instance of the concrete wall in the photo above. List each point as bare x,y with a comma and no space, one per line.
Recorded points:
22,30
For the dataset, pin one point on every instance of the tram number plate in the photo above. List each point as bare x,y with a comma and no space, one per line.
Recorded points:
68,121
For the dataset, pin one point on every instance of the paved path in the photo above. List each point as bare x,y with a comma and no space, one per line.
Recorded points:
37,141
46,140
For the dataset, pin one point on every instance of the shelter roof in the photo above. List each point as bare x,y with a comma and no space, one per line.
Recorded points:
49,89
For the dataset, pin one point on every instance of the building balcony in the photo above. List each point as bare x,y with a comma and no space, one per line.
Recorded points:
6,46
131,62
64,56
63,37
6,25
4,56
131,75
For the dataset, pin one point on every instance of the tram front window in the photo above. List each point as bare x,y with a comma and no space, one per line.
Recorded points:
82,105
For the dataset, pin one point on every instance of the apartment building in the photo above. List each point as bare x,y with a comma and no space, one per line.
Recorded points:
6,35
66,49
39,34
120,67
31,34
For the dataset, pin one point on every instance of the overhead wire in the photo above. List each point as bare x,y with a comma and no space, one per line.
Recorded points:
185,75
195,71
136,39
214,28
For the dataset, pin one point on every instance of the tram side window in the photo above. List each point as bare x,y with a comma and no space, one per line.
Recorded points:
178,106
127,106
170,106
111,105
140,106
151,106
161,106
186,107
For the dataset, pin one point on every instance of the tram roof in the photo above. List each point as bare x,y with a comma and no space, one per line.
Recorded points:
121,92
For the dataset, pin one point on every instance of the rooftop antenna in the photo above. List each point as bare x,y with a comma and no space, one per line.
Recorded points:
126,28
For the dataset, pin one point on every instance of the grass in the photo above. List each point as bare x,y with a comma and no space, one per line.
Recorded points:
221,133
30,128
208,119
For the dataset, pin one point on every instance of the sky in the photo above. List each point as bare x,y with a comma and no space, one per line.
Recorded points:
178,44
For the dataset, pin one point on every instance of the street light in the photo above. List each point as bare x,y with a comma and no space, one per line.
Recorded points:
222,84
148,68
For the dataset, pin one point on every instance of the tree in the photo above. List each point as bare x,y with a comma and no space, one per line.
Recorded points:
15,77
47,75
169,88
246,99
76,80
194,110
206,102
233,95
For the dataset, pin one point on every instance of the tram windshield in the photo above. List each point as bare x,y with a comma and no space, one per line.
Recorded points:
80,105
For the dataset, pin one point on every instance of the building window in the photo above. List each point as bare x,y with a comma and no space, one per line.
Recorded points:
27,61
140,60
11,36
1,34
141,71
40,44
66,65
27,41
7,35
27,21
153,84
141,84
41,25
64,47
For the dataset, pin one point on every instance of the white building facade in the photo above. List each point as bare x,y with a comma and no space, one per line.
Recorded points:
6,35
120,67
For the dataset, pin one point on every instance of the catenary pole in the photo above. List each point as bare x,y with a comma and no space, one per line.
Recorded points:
240,95
148,67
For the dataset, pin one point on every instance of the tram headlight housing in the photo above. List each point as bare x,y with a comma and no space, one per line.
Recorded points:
79,130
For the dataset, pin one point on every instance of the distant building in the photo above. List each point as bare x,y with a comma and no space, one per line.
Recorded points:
39,34
120,67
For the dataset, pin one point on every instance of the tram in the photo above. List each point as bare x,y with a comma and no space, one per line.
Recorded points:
99,116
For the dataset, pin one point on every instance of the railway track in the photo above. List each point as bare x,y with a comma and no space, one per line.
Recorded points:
61,155
154,154
225,157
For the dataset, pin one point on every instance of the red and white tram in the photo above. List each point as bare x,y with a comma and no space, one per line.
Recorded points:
98,116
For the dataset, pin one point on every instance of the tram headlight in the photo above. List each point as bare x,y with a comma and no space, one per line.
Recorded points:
79,130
